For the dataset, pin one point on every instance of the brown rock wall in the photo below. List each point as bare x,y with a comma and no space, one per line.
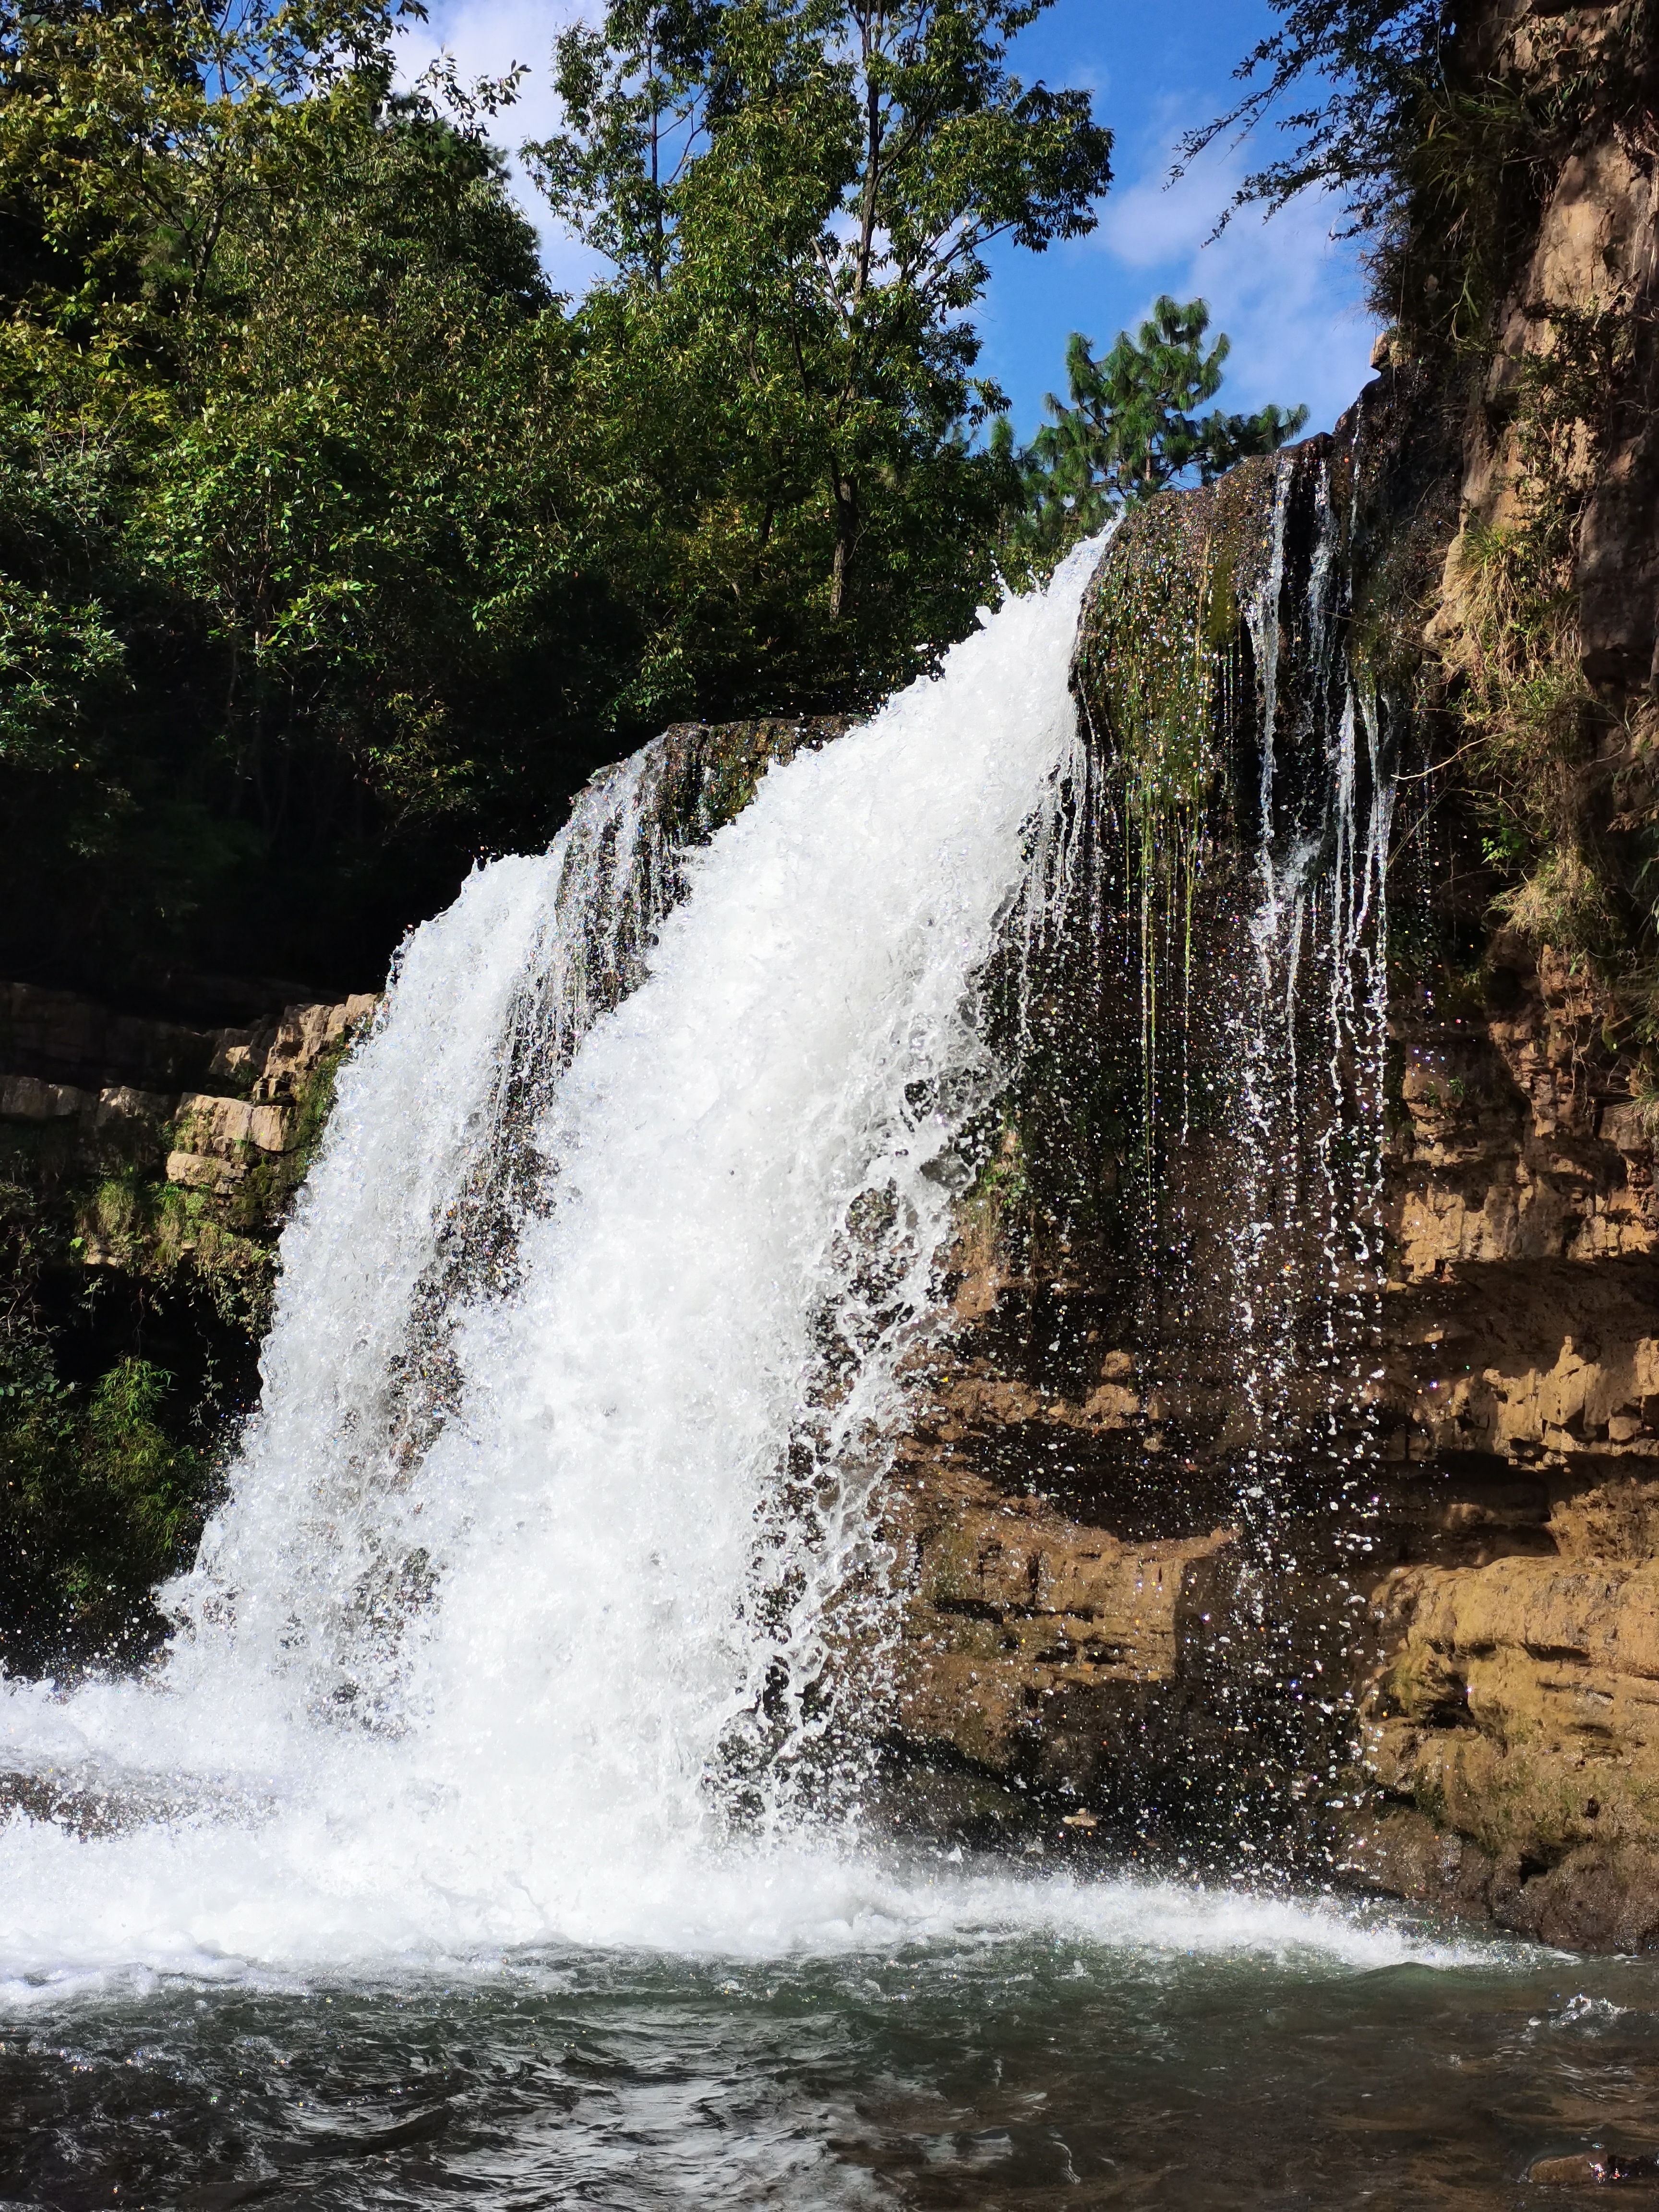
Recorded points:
199,1137
1017,1606
1090,1606
1511,1719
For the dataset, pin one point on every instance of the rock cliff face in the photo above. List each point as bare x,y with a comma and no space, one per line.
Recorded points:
1509,1713
1434,1663
231,1101
1590,281
1139,1504
1514,1701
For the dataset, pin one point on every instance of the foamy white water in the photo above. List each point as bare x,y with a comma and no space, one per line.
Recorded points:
457,1661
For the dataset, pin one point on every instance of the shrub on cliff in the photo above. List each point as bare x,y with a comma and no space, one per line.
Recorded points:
1457,138
98,1502
1437,127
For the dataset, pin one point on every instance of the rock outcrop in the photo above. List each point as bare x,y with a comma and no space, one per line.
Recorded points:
251,1122
1433,1667
262,1071
146,1166
1510,1717
1507,1716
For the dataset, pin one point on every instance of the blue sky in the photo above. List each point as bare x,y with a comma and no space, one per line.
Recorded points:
1289,298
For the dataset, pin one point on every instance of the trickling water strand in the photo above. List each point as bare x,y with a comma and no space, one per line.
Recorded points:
1264,614
1311,1148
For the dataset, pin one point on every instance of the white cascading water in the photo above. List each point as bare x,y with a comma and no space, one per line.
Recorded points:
503,1572
1315,1036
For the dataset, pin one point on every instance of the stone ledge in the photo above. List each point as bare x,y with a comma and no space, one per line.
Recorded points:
217,1126
1595,1897
200,1171
27,1098
214,1134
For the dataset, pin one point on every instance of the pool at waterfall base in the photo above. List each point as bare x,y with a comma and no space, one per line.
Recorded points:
1078,2041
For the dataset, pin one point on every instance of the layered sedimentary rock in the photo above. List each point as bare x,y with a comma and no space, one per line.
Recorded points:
1443,1682
1139,1504
208,1135
1511,1715
1507,1715
1397,1610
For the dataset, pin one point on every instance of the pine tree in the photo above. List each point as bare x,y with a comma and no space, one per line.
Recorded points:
1132,427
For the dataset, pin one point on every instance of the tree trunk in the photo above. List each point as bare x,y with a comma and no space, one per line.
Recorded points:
846,530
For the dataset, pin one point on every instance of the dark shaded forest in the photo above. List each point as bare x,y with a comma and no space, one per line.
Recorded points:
335,550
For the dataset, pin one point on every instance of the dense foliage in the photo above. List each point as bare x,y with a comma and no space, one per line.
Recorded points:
333,547
283,415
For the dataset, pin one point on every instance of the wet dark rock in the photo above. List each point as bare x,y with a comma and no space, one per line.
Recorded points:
1591,2169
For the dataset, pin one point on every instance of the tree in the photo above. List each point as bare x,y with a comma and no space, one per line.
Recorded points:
133,136
299,598
636,94
333,549
1131,428
1374,63
807,269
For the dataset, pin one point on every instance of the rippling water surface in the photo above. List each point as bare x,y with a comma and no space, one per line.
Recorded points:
1084,2043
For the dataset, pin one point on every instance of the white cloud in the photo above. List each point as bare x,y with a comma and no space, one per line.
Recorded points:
1289,297
486,37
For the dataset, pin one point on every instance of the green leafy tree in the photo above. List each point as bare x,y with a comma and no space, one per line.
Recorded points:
300,597
334,548
1131,427
803,278
134,138
636,97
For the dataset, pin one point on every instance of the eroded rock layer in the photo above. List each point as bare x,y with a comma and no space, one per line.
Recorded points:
1389,1600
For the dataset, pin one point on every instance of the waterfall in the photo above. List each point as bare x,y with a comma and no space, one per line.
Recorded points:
589,1333
1226,969
439,1155
1312,1022
1306,1246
